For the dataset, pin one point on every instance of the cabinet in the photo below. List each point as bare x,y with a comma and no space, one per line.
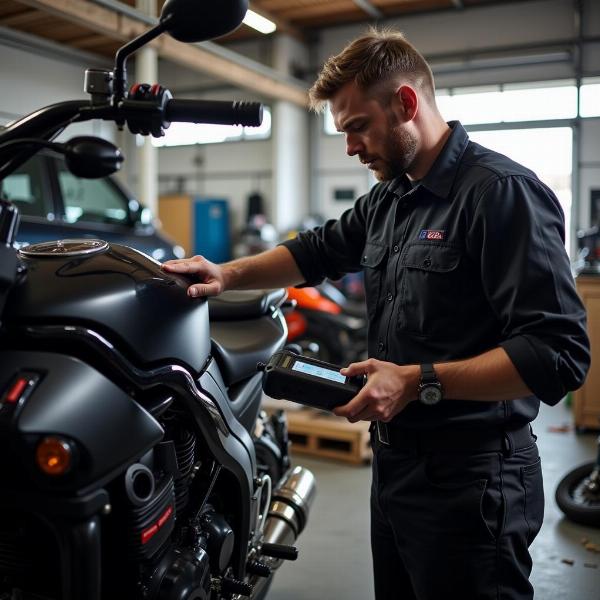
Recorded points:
199,225
175,214
586,400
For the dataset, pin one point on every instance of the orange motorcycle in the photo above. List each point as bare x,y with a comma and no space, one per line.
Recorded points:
327,325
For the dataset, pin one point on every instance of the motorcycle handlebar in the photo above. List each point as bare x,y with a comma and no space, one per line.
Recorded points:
215,111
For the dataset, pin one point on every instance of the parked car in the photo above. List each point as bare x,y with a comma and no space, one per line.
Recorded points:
55,204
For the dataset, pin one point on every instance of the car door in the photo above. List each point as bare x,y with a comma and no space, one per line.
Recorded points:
30,189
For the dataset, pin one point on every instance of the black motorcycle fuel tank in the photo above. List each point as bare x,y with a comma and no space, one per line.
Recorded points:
116,291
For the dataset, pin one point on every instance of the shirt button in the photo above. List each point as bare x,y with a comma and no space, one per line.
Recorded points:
427,262
396,248
381,346
389,297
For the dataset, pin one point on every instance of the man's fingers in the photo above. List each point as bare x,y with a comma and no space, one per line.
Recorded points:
200,290
352,408
183,267
357,368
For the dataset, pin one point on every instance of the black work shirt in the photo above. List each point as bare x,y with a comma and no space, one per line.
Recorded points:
469,259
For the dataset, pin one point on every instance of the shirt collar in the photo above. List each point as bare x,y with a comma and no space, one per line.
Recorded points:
440,177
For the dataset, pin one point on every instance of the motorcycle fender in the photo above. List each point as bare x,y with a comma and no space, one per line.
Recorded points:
73,400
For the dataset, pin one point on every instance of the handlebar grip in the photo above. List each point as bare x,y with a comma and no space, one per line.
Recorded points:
218,112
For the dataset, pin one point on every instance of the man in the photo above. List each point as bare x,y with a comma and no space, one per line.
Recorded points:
473,320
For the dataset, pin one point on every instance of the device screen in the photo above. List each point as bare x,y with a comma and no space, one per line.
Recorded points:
317,371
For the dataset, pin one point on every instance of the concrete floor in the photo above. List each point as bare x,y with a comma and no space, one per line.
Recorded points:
335,560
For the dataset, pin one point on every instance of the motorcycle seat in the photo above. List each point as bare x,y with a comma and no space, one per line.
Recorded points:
246,304
243,332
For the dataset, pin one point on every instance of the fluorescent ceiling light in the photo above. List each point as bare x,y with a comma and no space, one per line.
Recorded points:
258,22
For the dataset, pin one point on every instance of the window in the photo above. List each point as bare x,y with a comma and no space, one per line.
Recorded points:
512,103
546,151
589,101
187,134
25,188
328,123
509,104
91,200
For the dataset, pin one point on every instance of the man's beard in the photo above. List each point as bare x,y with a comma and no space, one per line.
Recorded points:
401,148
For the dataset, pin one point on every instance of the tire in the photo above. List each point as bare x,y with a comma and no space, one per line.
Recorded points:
326,342
577,507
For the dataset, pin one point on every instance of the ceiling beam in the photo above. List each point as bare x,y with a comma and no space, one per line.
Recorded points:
105,18
23,18
88,41
371,10
331,7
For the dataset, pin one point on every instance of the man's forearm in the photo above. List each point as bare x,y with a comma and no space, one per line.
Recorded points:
490,376
271,269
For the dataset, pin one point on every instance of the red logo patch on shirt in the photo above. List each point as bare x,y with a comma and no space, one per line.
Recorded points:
432,234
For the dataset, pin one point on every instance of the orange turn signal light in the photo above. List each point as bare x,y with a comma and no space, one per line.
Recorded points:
54,456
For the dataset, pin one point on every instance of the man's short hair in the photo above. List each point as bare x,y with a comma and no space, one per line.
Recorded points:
378,57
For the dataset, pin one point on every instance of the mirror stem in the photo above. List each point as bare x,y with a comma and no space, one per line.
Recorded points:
124,52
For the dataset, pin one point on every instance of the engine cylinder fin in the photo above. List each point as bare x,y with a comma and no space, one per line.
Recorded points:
185,451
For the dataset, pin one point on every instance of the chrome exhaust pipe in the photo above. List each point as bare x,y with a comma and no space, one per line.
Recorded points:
288,514
290,507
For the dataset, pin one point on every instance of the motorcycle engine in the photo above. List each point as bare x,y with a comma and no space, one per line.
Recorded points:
173,546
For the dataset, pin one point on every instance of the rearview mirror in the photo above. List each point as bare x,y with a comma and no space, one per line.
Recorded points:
198,20
91,157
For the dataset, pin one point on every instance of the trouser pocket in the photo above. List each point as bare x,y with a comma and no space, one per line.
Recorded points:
533,506
468,487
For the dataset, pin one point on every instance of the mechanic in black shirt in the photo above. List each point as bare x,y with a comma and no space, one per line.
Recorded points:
473,320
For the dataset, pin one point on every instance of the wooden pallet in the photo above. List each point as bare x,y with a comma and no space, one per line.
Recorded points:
319,434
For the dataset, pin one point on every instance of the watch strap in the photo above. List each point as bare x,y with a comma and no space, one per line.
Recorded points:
428,374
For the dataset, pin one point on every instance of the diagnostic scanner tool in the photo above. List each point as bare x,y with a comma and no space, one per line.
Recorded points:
308,381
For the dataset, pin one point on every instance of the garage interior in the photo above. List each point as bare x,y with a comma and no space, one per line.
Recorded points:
523,76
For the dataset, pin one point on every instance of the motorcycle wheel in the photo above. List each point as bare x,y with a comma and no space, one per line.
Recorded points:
575,498
314,346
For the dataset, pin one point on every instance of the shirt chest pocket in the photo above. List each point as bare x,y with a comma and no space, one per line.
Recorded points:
373,262
432,288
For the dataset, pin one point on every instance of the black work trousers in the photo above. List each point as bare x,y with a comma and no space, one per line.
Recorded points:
454,525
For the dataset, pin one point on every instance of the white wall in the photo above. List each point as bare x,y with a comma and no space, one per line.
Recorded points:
468,31
30,81
232,171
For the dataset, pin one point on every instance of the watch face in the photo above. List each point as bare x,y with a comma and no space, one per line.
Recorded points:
430,394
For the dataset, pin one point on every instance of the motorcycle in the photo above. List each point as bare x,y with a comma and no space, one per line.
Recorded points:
578,493
135,459
326,325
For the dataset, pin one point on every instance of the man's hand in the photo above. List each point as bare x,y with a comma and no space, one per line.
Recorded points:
210,275
388,390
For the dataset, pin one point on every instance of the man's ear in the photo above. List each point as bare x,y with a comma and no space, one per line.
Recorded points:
407,101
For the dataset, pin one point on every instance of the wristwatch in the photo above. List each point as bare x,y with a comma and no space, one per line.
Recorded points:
430,389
